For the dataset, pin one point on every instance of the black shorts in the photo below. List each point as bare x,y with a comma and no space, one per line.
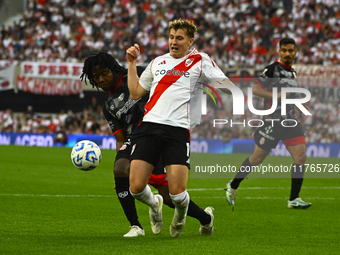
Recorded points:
269,135
125,151
150,141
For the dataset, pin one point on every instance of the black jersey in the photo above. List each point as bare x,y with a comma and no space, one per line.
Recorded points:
279,75
122,112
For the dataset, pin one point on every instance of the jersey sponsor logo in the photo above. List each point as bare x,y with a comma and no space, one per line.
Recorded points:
286,73
128,105
188,62
290,82
266,135
172,72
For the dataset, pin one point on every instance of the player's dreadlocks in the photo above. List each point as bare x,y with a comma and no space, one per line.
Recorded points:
102,60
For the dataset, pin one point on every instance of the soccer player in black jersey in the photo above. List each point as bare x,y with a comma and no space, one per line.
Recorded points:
123,115
279,74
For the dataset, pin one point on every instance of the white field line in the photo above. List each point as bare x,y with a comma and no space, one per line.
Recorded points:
190,190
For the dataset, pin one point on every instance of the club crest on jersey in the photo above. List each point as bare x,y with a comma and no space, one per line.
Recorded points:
121,97
188,62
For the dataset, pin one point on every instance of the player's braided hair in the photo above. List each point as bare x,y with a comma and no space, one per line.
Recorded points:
102,60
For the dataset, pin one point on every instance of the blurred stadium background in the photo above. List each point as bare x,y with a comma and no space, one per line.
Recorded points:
47,206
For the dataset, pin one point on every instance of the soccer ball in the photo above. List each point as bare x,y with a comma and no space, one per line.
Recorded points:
86,155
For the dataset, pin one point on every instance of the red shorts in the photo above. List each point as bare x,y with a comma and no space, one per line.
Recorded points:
158,180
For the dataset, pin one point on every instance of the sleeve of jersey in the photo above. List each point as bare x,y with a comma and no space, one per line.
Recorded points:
211,71
115,125
145,80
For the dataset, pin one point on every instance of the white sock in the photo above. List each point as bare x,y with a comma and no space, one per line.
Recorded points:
146,197
181,202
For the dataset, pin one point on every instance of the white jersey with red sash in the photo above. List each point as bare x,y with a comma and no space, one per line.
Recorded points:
173,83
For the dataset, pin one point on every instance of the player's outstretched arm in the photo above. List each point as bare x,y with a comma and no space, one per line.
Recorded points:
258,90
136,91
225,81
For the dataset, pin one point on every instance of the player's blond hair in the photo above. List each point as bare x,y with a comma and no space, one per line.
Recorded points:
184,24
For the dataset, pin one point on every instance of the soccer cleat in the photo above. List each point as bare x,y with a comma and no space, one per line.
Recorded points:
230,193
176,227
297,203
156,218
207,230
135,231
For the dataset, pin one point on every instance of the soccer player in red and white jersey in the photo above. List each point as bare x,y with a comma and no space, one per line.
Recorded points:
123,115
171,79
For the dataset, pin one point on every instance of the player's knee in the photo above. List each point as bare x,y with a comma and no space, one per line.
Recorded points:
301,158
254,161
119,171
121,168
136,189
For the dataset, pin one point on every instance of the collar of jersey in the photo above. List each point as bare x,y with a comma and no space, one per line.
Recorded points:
115,88
194,51
283,64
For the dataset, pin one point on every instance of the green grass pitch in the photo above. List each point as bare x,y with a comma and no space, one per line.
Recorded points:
47,206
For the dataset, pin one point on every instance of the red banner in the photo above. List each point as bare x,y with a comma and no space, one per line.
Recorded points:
51,70
49,87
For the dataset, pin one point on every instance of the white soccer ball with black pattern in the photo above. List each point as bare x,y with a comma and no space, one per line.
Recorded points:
86,155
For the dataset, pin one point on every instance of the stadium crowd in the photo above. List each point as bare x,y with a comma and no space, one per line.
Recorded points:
235,33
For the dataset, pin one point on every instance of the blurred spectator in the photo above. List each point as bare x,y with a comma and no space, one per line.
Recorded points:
69,120
29,113
244,33
61,137
8,122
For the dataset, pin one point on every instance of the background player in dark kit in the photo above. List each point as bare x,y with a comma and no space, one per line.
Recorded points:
123,115
278,74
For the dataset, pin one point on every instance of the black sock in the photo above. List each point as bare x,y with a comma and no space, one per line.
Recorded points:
246,169
198,213
297,173
126,200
